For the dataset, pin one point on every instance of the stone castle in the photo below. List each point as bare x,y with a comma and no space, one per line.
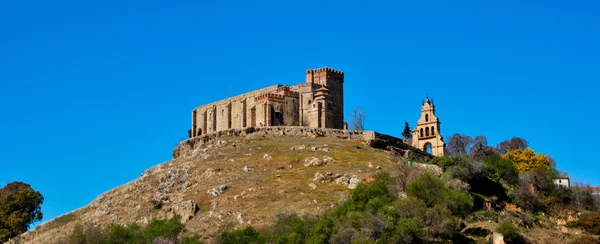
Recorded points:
317,103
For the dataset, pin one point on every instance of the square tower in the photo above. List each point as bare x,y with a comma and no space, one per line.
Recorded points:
333,80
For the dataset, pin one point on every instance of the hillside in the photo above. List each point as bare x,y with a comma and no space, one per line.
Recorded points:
276,182
239,178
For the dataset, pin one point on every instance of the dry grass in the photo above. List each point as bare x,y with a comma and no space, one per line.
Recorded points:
272,186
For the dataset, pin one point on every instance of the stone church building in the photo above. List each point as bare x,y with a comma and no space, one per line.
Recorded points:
427,133
317,103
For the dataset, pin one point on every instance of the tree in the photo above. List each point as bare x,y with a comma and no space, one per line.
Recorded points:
512,144
480,148
20,206
406,133
527,160
357,118
459,144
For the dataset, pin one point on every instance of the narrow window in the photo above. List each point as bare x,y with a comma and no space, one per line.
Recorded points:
421,132
426,131
427,118
432,131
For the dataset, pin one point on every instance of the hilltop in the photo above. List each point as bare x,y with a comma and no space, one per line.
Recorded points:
277,181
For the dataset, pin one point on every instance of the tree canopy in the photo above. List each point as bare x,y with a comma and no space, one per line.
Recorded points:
512,144
20,206
527,160
406,133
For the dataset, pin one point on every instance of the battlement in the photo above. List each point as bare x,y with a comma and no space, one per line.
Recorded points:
242,96
324,69
270,97
287,92
308,85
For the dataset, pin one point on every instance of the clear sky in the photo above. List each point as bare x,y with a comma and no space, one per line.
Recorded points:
94,93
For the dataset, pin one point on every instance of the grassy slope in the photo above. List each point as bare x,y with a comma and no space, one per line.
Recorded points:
272,186
269,188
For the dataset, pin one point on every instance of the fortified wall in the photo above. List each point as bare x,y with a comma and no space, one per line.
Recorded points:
317,103
186,148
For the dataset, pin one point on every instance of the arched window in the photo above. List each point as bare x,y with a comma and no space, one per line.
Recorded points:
421,132
427,118
426,131
432,131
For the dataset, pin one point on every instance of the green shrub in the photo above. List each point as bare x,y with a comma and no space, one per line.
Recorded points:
427,188
248,235
323,230
440,223
459,203
86,235
467,169
444,162
191,240
125,234
165,228
432,191
407,231
291,228
499,168
510,232
483,215
409,207
372,197
157,230
345,234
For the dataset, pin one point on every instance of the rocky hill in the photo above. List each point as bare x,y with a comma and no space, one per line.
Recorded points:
236,178
239,178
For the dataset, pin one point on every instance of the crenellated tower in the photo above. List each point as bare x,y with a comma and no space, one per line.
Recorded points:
333,81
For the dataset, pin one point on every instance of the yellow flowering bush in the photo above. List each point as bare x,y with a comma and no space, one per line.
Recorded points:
526,159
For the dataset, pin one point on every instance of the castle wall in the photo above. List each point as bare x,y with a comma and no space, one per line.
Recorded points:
199,121
291,112
238,114
276,105
254,93
261,114
223,118
186,148
211,119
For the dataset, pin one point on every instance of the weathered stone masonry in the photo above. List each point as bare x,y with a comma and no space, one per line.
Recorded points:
317,103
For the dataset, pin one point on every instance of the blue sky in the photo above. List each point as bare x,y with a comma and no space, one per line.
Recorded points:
94,93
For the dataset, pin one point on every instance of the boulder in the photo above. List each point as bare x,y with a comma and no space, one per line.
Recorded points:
328,159
312,161
353,182
497,238
186,209
217,191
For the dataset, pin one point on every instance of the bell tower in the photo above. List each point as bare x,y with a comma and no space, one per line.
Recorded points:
427,133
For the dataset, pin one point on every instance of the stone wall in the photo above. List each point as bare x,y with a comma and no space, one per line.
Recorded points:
316,103
373,139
